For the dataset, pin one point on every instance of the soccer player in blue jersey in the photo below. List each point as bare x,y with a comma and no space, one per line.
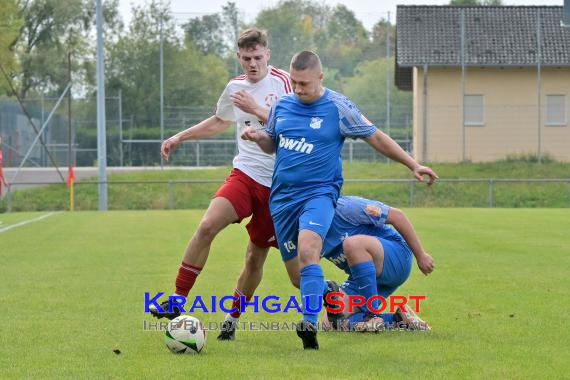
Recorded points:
360,234
306,130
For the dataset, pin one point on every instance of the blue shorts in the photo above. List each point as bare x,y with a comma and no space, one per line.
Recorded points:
315,214
397,267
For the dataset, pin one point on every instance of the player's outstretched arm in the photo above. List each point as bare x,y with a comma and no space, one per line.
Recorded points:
403,225
245,102
206,128
389,148
262,139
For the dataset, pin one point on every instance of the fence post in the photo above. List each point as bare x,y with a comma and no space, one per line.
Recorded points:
350,150
9,198
121,128
412,190
197,153
491,193
170,195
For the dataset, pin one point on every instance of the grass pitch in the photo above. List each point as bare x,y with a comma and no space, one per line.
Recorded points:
72,291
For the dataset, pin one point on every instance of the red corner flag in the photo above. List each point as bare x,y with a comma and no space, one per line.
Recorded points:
70,176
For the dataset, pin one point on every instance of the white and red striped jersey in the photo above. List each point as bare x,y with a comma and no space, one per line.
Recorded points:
250,158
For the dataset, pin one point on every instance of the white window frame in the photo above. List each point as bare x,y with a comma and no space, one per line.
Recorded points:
556,123
469,123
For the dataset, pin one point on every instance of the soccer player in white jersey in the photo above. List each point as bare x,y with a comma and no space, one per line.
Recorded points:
245,101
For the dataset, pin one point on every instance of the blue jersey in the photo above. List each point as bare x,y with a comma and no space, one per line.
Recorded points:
356,216
308,140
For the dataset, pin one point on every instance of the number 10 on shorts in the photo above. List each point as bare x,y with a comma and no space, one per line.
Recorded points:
289,246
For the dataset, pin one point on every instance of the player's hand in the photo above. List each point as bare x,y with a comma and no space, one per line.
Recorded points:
244,101
420,171
426,264
250,134
168,146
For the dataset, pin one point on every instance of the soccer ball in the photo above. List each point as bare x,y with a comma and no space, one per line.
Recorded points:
185,335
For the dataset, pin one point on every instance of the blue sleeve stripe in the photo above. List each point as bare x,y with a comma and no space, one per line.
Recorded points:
385,210
352,124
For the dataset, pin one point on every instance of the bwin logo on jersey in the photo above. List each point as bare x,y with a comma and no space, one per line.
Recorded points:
316,122
339,259
296,145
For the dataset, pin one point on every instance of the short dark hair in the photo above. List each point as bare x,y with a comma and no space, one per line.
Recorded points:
252,37
306,60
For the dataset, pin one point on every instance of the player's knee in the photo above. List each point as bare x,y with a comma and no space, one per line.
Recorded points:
254,263
351,245
309,250
208,229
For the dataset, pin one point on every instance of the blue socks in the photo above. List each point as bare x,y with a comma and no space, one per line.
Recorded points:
312,288
364,274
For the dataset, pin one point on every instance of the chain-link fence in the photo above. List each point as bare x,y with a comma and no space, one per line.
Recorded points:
196,194
484,91
139,117
130,145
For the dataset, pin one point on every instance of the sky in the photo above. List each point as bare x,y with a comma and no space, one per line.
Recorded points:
368,11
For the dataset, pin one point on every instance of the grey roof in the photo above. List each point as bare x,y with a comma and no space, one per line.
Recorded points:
494,35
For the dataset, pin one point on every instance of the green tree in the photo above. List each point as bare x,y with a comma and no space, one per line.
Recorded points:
206,33
335,34
333,79
292,25
231,24
367,88
52,29
10,24
382,32
191,77
217,34
346,43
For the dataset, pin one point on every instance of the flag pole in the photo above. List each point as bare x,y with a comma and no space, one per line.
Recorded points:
71,171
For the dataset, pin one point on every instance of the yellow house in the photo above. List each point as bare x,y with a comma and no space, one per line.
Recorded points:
488,82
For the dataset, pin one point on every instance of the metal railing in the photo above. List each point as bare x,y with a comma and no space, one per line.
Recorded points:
480,192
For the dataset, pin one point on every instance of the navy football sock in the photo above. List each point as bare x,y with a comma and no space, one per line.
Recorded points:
355,318
389,318
364,274
312,287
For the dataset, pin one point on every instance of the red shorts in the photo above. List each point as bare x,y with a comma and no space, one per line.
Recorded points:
250,198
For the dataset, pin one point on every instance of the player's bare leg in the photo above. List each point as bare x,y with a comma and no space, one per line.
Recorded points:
219,215
251,275
292,267
248,281
362,248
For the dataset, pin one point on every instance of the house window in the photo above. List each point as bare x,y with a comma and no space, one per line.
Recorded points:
473,110
555,109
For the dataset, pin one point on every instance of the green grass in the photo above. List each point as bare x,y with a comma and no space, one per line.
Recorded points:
444,194
72,290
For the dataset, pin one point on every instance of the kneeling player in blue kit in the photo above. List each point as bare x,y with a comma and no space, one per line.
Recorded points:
377,258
